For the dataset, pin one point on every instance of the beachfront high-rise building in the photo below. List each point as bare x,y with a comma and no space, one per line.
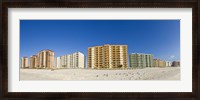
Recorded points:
58,62
75,60
159,63
45,59
24,62
34,61
108,56
140,60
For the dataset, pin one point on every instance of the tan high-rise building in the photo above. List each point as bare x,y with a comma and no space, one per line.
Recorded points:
159,63
24,62
108,56
34,61
45,59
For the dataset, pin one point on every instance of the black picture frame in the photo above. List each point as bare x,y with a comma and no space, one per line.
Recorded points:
194,4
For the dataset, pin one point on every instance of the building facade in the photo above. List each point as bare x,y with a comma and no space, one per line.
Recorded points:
168,63
159,63
45,59
140,60
108,56
34,61
24,62
75,60
176,63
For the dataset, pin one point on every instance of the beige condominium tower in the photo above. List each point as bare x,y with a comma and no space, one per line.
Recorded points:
45,59
108,56
34,61
24,62
159,63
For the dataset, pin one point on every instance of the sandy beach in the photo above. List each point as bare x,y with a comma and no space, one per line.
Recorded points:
154,73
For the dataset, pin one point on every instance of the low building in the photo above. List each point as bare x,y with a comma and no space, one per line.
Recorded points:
175,63
75,60
141,60
168,63
24,62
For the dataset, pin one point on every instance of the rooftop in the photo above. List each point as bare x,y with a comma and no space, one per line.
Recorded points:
46,50
142,53
109,45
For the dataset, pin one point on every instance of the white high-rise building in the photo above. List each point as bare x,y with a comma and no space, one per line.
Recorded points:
75,60
58,62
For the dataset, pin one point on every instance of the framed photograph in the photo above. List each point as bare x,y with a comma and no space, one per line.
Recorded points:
100,49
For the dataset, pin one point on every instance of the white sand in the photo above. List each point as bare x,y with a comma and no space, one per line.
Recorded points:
168,73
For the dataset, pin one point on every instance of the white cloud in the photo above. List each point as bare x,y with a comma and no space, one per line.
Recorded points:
172,57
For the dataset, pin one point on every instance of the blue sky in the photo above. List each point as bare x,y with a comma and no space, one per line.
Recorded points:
158,37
